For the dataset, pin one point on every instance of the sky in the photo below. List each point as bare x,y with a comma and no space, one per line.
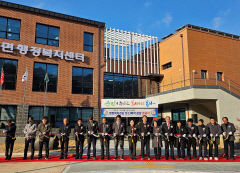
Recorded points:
151,17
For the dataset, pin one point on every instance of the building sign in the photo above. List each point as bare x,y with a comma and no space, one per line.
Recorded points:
129,112
129,107
128,103
36,51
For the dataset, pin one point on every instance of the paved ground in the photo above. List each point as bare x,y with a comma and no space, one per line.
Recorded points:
136,167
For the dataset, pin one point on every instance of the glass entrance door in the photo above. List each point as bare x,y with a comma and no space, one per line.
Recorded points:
179,115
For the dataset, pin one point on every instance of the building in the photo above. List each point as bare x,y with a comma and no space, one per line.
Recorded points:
201,74
68,49
73,63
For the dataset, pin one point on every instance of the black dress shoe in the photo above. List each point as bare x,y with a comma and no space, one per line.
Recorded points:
24,158
39,158
189,158
46,158
94,158
87,158
65,157
31,158
102,158
77,157
173,158
166,158
108,158
61,157
6,158
9,158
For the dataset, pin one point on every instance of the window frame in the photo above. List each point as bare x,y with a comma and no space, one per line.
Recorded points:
82,79
87,44
47,38
218,79
2,121
48,76
205,71
6,32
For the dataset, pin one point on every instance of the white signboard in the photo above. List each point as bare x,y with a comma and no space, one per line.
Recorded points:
128,103
36,51
129,112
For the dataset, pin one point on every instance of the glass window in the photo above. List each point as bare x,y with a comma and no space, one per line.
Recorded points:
120,86
48,35
9,28
167,65
10,73
39,72
219,76
203,74
88,41
37,113
7,113
82,80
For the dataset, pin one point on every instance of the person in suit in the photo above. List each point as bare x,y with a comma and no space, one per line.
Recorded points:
215,132
104,129
79,132
192,139
203,135
10,133
180,141
92,129
168,134
132,140
30,136
65,131
145,129
119,131
157,140
44,131
228,137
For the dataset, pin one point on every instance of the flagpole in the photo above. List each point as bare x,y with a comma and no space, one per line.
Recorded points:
45,101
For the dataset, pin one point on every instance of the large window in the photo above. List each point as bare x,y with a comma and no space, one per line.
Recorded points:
56,114
220,76
120,86
167,65
39,73
88,41
7,113
48,35
82,80
9,28
10,73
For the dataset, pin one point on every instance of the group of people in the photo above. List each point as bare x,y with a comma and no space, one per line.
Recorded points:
180,136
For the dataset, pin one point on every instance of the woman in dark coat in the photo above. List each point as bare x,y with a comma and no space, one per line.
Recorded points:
157,140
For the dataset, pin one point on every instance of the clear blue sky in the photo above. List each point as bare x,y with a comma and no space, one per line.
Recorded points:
153,17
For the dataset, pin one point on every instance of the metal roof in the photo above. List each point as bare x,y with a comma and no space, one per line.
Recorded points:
206,30
50,13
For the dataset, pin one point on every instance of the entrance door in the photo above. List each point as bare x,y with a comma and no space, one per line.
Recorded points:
179,115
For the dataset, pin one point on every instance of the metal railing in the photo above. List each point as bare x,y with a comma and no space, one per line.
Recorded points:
196,80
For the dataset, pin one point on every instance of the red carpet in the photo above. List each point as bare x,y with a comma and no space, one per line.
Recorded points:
126,159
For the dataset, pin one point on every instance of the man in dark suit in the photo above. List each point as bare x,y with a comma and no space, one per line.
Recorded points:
228,137
64,131
118,128
79,132
145,129
192,139
9,131
104,129
168,134
92,128
203,135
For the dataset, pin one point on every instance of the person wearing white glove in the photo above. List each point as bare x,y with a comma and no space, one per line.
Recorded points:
118,128
132,140
156,140
203,132
145,128
229,130
79,138
192,143
92,127
65,131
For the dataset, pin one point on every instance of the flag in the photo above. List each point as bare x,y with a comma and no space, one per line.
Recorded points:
25,76
46,79
2,77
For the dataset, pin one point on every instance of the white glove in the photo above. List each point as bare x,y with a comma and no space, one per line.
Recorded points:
224,133
142,134
105,134
134,134
91,133
121,134
102,134
216,134
204,135
148,133
211,135
189,135
114,134
199,136
4,131
171,134
184,135
88,132
230,133
194,135
76,133
166,134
